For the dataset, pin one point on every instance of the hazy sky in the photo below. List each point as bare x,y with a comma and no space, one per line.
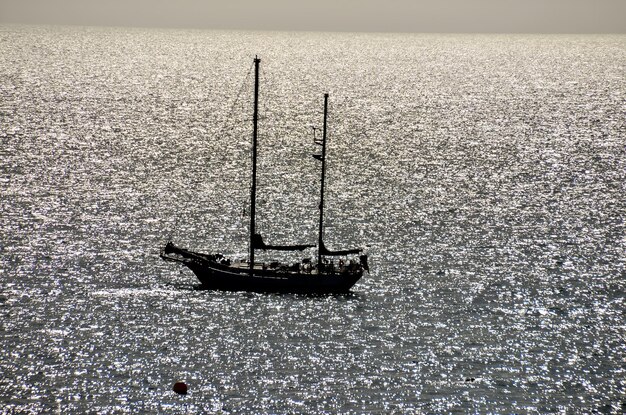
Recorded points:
505,16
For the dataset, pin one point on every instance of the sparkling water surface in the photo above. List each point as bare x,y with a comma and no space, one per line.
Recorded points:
485,174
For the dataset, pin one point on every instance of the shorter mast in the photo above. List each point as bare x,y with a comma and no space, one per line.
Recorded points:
320,242
321,248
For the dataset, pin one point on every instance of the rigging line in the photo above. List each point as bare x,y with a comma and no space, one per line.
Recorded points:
232,108
187,200
262,116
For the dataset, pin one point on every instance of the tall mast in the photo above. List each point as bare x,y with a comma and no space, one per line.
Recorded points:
320,243
255,118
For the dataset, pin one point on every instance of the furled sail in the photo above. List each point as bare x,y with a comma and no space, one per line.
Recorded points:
260,244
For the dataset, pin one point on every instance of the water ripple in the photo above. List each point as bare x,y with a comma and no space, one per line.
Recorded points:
485,173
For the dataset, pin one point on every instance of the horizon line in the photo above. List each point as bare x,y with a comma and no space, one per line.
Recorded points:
235,29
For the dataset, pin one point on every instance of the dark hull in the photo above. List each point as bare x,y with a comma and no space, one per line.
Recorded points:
273,282
213,274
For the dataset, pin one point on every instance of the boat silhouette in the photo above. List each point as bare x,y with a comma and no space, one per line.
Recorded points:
216,272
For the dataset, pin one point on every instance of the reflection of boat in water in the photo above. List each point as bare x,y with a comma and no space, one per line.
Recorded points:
218,272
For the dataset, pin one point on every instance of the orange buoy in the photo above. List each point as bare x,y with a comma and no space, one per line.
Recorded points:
180,388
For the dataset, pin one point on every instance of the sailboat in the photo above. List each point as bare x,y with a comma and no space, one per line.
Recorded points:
327,276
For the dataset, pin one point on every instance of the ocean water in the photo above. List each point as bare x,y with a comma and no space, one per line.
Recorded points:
485,175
